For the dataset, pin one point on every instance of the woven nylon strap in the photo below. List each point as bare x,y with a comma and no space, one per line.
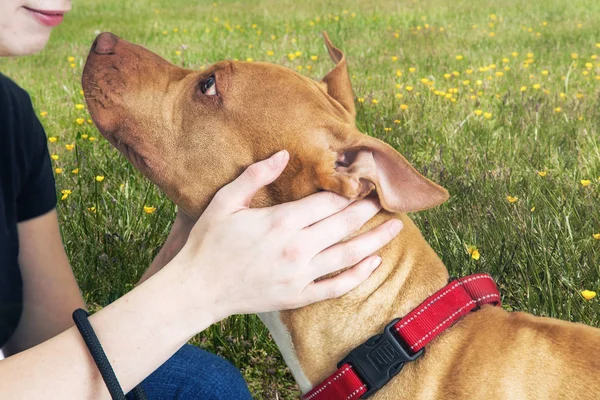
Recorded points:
419,327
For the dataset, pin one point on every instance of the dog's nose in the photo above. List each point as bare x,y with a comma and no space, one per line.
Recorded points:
105,43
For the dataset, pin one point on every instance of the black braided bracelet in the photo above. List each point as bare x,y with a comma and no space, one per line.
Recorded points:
80,317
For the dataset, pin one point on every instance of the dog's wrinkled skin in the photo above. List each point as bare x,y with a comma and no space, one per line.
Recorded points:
192,143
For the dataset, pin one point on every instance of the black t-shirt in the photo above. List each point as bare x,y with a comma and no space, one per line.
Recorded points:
26,191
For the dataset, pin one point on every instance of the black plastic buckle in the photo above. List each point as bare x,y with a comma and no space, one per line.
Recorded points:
379,359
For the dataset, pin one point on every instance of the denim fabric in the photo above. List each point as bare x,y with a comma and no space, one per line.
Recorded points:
193,373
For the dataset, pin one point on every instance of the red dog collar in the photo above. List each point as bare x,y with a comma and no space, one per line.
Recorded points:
370,366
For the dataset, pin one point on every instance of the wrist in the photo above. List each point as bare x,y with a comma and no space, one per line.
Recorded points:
196,297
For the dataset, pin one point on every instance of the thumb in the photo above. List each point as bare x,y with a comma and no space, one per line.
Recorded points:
239,193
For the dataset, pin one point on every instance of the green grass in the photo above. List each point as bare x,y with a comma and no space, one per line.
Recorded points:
541,259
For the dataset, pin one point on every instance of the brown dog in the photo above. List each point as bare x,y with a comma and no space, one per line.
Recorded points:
192,132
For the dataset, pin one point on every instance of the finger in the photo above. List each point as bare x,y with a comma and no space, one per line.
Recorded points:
311,209
340,284
335,228
239,193
351,252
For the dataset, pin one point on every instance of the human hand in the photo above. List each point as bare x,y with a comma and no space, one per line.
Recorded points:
264,259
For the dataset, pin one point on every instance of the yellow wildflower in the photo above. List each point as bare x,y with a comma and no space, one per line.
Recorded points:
585,182
409,88
412,69
80,121
91,139
249,59
149,209
71,59
75,171
361,99
478,112
596,236
557,109
542,173
515,54
398,95
79,106
487,115
574,56
65,194
499,74
314,58
588,294
99,178
43,114
84,135
394,58
58,170
177,52
523,88
473,252
532,209
92,209
270,52
459,57
536,86
374,101
69,147
512,199
52,139
403,107
469,71
54,157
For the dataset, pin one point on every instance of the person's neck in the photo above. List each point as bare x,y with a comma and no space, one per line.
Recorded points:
313,339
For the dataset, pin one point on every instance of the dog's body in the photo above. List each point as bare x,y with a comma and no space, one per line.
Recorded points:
488,354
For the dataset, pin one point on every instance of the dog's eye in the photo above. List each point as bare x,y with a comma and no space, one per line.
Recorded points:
208,86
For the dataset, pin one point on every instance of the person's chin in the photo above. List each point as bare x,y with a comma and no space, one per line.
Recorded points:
28,44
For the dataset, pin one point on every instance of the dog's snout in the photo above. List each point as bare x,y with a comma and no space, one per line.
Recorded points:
105,43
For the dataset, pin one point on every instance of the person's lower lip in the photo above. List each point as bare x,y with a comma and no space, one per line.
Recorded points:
48,18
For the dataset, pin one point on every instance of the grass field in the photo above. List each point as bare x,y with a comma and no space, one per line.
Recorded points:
496,101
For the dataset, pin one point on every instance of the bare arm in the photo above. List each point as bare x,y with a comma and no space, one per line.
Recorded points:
50,292
236,260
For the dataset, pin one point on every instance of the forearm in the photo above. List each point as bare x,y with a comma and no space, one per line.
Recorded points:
138,332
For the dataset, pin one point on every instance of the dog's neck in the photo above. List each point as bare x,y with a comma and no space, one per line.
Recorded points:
313,339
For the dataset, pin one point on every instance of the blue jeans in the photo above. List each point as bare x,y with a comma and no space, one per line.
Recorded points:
193,373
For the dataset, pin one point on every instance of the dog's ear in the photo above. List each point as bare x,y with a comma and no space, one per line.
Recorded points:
337,80
370,164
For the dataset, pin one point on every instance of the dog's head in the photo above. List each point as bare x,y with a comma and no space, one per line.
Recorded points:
192,132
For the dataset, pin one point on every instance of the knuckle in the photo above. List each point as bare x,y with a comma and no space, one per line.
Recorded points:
336,200
292,253
253,172
334,292
351,255
282,222
351,221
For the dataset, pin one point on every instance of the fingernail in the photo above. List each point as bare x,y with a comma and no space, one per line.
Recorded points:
395,226
375,262
278,158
